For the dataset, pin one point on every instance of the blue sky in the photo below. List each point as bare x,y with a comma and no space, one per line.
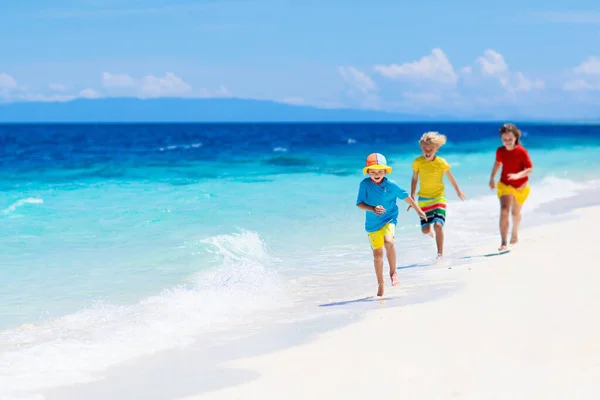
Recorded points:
460,57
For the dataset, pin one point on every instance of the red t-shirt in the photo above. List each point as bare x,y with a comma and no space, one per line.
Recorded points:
513,161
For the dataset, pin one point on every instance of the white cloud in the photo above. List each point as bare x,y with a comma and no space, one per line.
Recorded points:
151,86
168,85
522,84
358,79
7,81
590,66
585,76
117,80
493,65
89,94
434,68
432,82
362,89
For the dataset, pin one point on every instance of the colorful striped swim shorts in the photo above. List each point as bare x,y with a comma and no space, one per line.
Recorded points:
434,208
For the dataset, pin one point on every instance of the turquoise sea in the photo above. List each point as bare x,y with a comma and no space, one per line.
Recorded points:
120,241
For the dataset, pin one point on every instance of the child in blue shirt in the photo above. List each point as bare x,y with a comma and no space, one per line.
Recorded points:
377,196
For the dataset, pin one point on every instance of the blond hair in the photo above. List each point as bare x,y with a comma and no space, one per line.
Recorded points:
434,138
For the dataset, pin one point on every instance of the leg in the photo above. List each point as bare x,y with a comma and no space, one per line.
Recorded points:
378,261
427,230
505,203
377,243
439,237
516,220
390,249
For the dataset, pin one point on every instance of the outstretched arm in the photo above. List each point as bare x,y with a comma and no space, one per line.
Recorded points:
460,194
414,205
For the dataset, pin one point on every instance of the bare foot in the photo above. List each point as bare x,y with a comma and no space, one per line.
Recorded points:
514,240
503,248
395,280
380,290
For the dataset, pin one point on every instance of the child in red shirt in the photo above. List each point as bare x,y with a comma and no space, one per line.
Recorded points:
513,188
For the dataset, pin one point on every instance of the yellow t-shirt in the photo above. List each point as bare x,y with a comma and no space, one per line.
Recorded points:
431,176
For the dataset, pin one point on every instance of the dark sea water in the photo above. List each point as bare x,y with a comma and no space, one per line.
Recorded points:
63,153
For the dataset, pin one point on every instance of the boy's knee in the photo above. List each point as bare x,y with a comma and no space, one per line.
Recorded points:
438,227
505,209
515,212
388,242
426,229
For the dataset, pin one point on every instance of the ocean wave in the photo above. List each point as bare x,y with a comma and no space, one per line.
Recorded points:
20,203
76,347
180,146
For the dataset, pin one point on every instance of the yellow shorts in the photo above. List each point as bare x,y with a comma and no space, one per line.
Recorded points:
520,194
377,237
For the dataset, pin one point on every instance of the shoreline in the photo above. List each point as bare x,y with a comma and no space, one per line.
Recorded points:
523,327
220,368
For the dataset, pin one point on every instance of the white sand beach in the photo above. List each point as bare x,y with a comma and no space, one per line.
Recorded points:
526,326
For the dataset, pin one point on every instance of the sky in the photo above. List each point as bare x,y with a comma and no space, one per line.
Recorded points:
437,57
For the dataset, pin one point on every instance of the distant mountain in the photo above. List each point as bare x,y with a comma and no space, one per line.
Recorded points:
186,110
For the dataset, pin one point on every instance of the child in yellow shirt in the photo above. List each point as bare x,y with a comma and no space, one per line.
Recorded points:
430,169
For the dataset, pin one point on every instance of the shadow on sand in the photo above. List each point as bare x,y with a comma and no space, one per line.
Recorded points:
361,300
371,298
494,254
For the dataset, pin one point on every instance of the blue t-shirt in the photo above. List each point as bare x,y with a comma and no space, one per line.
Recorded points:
383,194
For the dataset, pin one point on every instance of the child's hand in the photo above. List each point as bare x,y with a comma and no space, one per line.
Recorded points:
492,184
379,210
461,195
421,213
513,177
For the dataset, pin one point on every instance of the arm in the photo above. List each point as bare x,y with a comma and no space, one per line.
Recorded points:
365,206
413,186
455,185
527,167
522,174
360,201
495,169
414,205
377,209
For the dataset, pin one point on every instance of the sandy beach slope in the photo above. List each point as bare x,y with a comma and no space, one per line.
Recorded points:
526,326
